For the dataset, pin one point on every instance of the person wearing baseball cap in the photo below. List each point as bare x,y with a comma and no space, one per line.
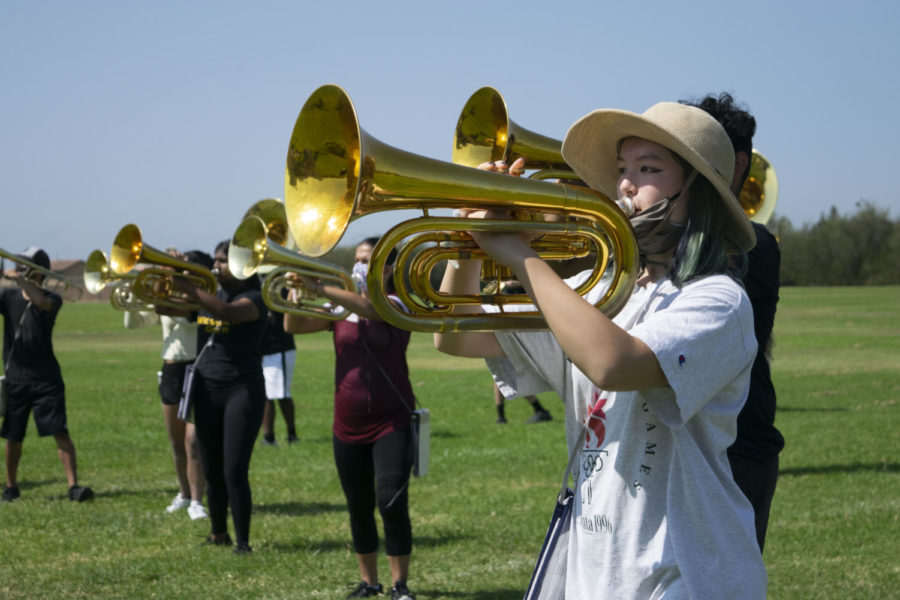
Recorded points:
34,382
652,395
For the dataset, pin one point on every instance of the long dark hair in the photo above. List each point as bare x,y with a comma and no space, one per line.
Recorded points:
703,249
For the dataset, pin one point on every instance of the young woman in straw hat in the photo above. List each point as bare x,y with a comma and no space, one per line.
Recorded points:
659,387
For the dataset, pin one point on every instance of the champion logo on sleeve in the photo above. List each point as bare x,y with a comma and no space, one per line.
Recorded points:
681,360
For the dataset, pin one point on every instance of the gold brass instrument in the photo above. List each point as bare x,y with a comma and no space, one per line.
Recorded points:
253,249
760,191
336,172
123,297
154,285
484,133
271,211
98,275
51,281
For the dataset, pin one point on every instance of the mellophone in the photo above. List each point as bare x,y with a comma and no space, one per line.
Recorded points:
336,172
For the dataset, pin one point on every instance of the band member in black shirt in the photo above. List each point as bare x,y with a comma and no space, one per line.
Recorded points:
229,395
34,380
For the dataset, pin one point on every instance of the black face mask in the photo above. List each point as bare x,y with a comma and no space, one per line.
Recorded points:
655,232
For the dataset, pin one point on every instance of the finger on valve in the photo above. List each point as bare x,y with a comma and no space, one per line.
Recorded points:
498,166
518,167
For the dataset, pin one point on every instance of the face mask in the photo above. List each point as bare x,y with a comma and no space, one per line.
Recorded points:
655,233
360,271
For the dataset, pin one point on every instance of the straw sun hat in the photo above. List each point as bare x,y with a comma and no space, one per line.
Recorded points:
591,147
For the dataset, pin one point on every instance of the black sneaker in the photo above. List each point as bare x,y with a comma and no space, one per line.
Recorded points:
209,541
401,592
364,590
78,493
292,438
243,548
539,416
10,493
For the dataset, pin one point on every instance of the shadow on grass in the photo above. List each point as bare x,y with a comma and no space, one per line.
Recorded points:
122,492
831,469
31,484
62,487
430,541
491,595
811,409
315,547
343,545
298,509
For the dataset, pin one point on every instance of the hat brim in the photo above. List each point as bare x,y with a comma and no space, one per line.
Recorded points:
591,146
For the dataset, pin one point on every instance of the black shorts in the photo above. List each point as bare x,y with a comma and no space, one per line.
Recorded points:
46,400
171,380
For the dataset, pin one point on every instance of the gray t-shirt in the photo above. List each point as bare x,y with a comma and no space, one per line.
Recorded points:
657,513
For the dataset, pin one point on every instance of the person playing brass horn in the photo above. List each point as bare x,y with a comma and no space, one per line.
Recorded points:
179,349
372,436
652,395
34,380
229,394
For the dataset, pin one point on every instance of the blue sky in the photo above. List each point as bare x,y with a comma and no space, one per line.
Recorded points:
176,115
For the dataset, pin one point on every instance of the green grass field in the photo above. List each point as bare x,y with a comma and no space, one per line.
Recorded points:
480,514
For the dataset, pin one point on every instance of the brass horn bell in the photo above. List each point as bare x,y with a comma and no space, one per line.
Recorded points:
253,250
98,275
484,133
336,172
154,285
760,191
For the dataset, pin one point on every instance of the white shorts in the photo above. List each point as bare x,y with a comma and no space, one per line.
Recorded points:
278,371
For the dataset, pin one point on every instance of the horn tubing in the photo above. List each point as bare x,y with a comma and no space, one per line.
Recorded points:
611,302
336,172
52,281
278,279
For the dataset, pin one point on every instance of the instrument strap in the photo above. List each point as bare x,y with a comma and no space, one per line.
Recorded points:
208,343
362,338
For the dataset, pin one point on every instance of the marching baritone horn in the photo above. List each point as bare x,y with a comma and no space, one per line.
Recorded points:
760,191
336,172
98,275
47,280
252,250
155,285
485,133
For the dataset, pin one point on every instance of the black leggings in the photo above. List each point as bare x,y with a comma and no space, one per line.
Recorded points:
757,479
228,422
377,471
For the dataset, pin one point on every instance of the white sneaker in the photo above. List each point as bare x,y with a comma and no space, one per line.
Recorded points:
196,511
178,502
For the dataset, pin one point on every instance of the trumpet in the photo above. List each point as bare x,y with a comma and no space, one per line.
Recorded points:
47,280
760,191
253,250
336,172
155,285
98,275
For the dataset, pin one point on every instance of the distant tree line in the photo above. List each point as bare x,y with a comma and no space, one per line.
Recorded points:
858,249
